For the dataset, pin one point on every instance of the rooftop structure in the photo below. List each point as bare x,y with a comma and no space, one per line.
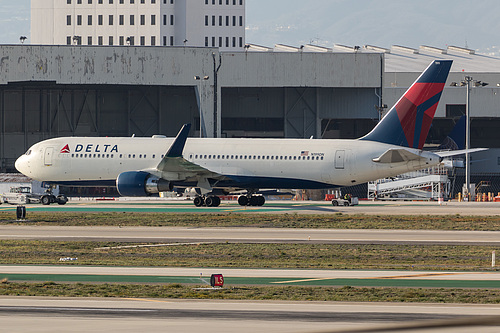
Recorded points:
199,23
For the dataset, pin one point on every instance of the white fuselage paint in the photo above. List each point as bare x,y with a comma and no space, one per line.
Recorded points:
330,162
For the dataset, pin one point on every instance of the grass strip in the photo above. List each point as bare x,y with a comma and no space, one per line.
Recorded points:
333,221
288,293
240,255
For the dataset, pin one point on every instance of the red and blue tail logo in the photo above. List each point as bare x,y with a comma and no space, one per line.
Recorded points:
408,122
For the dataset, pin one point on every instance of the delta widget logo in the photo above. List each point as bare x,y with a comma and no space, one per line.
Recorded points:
65,150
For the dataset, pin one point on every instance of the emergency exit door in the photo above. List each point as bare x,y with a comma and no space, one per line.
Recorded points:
48,155
339,159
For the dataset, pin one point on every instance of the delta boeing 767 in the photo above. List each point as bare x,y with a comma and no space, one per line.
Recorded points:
145,166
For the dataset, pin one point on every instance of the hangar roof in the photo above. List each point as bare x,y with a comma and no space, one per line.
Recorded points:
405,59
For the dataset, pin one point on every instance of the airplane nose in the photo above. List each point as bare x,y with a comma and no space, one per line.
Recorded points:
21,165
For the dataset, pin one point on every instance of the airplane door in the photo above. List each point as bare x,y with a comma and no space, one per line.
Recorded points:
48,156
339,159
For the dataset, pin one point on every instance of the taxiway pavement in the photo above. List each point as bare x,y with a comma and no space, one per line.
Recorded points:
43,314
247,235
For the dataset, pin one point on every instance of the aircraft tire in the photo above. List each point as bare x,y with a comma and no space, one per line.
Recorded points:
198,201
243,200
45,200
61,199
254,201
335,202
261,200
212,201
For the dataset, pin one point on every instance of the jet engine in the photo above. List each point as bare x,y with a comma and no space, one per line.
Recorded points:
141,184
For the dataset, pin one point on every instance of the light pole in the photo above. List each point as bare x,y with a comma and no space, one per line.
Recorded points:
468,82
199,79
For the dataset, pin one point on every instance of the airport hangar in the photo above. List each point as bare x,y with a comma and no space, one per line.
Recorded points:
293,92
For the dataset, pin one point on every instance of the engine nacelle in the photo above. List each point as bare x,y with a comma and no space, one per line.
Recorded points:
141,184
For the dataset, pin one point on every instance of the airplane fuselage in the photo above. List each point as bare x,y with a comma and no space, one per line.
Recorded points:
244,163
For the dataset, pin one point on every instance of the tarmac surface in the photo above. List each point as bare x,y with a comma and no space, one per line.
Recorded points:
271,206
232,277
34,314
172,235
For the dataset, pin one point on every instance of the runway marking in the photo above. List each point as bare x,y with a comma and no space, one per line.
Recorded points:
302,280
150,245
146,300
424,275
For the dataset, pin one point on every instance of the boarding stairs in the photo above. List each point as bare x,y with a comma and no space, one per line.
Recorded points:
427,184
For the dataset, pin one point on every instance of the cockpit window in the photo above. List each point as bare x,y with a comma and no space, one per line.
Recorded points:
28,152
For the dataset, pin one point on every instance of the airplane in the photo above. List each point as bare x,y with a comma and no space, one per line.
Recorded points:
146,166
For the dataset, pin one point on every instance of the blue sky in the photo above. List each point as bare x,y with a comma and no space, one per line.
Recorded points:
352,22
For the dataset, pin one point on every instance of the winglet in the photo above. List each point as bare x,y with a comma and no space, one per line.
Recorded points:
177,146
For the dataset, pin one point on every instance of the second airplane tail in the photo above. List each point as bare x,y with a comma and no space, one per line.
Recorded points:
408,122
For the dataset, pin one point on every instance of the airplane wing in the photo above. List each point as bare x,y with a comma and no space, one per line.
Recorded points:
174,166
449,153
174,162
396,155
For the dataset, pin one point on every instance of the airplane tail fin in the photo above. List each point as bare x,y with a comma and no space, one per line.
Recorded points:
408,122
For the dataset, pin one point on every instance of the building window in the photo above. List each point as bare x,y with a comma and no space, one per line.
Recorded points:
89,40
220,20
164,19
171,40
171,19
143,19
79,20
241,41
234,21
68,20
213,20
132,19
455,110
68,2
241,21
110,40
68,40
99,40
153,40
206,20
89,20
121,19
122,40
227,41
143,40
164,40
220,41
213,41
234,41
206,41
153,19
110,19
99,20
227,21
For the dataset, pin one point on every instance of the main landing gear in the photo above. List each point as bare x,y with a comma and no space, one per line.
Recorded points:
209,201
251,200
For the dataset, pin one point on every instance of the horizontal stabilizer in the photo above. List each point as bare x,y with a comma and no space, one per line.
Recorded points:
397,156
458,152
